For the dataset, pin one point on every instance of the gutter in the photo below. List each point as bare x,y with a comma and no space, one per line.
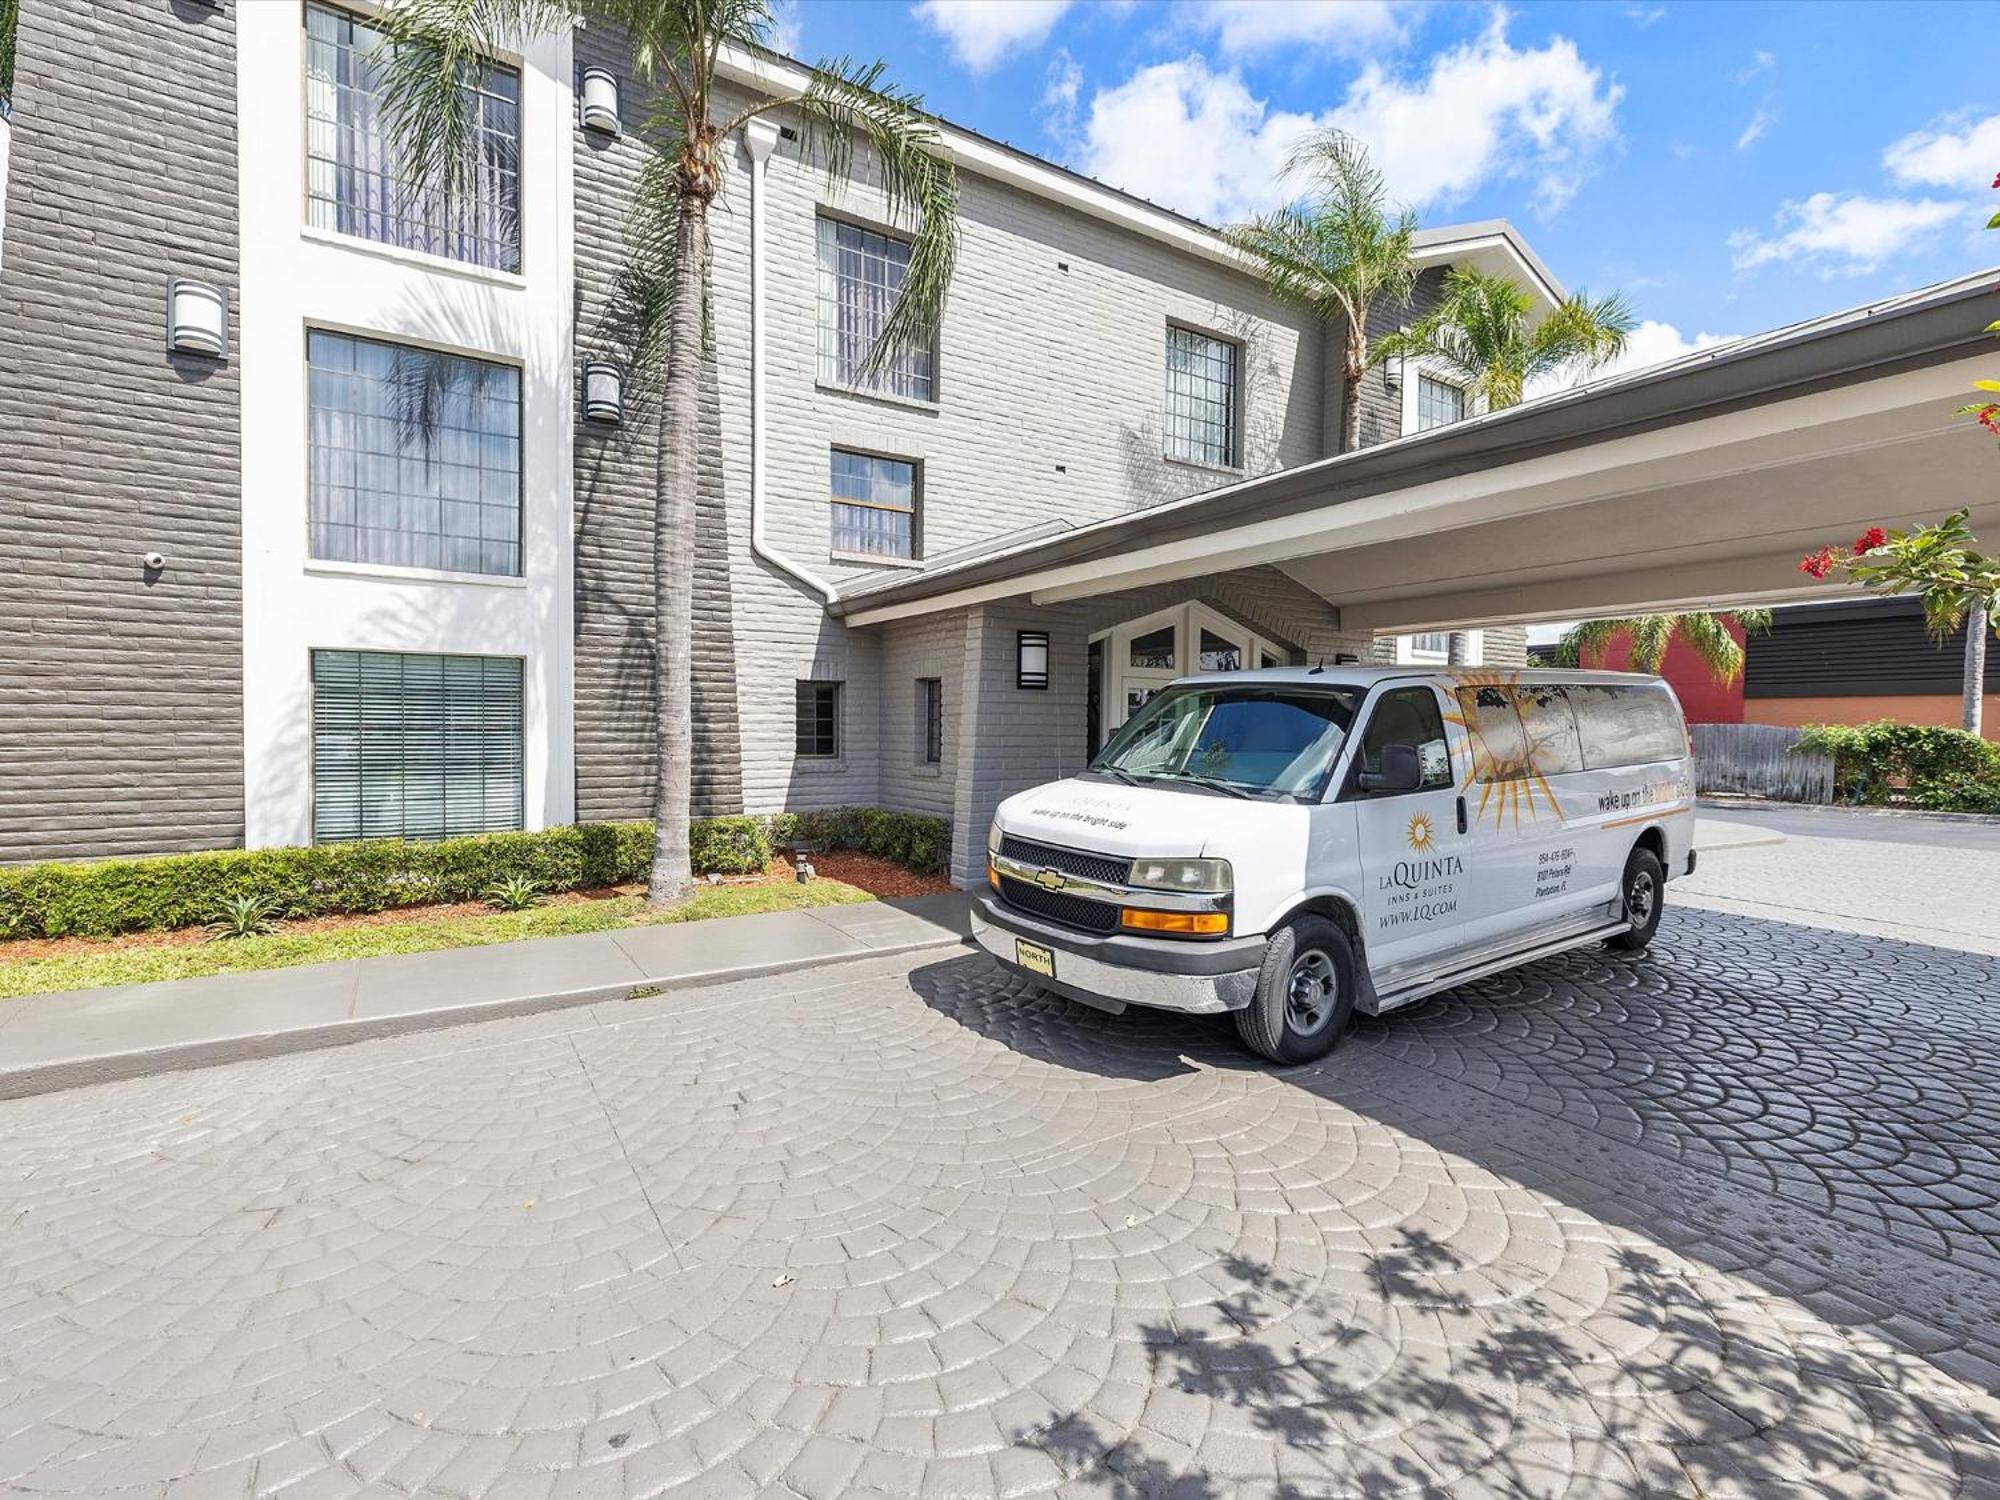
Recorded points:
761,136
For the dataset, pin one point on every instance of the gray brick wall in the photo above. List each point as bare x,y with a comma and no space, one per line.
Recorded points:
120,690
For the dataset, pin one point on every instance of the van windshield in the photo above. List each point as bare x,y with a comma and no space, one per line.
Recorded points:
1234,740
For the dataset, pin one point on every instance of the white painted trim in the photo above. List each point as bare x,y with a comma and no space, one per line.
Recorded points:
293,279
6,149
760,137
1518,488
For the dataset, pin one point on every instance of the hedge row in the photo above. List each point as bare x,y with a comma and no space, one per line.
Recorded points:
1947,770
102,898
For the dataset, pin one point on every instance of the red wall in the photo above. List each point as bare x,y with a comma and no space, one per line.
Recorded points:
1703,700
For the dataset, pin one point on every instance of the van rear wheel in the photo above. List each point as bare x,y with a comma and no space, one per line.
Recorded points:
1305,994
1644,889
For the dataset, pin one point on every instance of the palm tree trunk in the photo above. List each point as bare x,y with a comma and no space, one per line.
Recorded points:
1353,368
1976,626
673,563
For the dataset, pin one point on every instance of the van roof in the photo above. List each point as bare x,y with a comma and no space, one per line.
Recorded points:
1357,675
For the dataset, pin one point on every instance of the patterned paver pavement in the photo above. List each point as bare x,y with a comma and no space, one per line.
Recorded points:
1718,1222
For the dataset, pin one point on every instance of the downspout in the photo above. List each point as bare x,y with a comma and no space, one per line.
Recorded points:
761,135
6,137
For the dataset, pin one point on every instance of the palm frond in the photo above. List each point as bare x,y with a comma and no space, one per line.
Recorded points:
848,102
1709,637
432,50
10,26
638,321
1587,639
1581,335
1651,635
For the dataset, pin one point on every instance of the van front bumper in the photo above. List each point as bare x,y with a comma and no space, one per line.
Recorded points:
1201,978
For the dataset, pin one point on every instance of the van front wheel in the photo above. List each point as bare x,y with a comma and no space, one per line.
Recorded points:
1645,893
1305,993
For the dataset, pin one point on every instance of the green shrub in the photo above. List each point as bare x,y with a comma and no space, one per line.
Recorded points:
728,846
1962,794
916,842
106,897
1871,762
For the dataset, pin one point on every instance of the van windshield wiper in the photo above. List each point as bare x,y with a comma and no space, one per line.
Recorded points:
1125,776
1213,783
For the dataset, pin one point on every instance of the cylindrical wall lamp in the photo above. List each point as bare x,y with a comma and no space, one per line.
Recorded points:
603,393
600,100
1032,665
197,318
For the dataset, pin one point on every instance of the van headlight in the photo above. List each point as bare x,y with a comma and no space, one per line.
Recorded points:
993,838
1207,877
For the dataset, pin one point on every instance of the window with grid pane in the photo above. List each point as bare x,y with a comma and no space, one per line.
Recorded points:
415,457
930,720
861,273
355,185
1439,403
1432,643
414,746
874,505
1200,421
818,720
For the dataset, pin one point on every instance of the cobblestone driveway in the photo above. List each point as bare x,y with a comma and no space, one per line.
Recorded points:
1720,1222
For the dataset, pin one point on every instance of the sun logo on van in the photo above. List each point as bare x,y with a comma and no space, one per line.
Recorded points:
1503,762
1421,830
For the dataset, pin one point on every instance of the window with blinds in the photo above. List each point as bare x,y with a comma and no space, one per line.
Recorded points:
861,274
415,746
874,505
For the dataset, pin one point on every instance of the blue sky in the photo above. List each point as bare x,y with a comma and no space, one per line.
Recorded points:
1731,167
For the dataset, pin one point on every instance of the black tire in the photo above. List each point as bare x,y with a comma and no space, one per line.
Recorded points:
1305,994
1643,888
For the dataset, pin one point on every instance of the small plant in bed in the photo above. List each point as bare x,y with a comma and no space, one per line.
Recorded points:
246,916
515,893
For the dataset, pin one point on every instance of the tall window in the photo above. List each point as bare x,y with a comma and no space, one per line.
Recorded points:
930,720
415,747
355,185
1439,403
1200,423
861,275
818,735
874,505
416,457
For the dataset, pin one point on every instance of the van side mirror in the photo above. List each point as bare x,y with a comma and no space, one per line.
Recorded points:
1402,771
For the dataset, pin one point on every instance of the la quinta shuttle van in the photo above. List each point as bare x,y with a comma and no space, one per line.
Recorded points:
1292,845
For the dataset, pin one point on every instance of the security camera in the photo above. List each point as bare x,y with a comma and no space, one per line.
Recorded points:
155,561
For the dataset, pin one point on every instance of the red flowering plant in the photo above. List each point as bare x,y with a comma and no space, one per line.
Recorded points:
1940,564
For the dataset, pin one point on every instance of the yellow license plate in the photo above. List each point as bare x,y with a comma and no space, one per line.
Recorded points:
1035,958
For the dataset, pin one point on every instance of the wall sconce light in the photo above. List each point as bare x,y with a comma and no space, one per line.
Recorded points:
600,101
603,393
1392,369
197,318
1031,649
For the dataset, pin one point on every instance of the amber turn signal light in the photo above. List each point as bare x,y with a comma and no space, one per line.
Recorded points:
1185,923
993,877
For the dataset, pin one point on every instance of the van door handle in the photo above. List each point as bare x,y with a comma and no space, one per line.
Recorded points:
1461,815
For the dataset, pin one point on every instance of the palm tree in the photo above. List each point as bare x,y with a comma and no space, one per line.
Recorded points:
1481,333
676,48
1650,635
1336,252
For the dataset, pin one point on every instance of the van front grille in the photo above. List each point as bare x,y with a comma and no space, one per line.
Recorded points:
1059,907
1107,869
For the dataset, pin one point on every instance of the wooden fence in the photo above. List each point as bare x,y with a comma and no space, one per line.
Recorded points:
1755,760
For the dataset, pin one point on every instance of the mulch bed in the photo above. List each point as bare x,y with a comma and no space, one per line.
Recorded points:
881,878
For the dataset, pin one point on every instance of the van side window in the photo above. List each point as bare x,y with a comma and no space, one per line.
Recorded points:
1409,716
1627,726
1554,748
1499,744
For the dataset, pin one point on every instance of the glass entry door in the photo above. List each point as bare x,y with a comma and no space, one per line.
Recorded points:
1140,658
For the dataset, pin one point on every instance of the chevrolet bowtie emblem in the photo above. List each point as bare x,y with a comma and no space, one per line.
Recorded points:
1051,880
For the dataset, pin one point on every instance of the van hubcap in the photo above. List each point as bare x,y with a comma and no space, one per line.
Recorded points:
1639,898
1310,993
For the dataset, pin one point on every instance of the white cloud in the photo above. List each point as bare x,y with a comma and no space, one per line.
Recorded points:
1190,138
1486,110
786,26
1960,153
1248,28
1843,231
985,32
1644,16
1759,123
1654,343
1761,62
1195,138
1061,90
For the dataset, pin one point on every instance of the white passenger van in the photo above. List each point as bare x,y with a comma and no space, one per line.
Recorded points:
1294,845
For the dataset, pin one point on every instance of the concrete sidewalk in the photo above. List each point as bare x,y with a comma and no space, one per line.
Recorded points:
60,1041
